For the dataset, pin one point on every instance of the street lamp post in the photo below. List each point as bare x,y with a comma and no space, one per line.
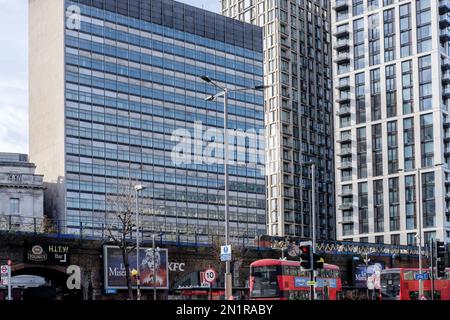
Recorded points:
224,92
313,222
138,188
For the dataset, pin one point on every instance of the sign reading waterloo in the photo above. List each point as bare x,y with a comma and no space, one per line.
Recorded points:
114,269
47,254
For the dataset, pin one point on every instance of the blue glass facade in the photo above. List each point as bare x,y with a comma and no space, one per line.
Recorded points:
132,73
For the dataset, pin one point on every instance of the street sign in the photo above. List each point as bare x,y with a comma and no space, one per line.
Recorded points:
4,270
311,283
210,275
225,253
111,291
421,276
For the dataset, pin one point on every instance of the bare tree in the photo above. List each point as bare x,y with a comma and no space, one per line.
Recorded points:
121,223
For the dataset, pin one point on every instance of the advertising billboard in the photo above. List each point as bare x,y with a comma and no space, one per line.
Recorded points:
368,276
114,269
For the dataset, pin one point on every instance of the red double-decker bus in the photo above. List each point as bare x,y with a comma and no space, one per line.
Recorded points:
401,284
285,280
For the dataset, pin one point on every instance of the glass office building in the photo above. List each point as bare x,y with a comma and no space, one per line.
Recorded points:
391,87
299,111
121,81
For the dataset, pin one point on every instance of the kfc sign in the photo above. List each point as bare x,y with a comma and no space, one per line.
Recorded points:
177,266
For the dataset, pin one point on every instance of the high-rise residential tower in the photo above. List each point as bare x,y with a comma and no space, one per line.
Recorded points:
299,117
115,90
391,87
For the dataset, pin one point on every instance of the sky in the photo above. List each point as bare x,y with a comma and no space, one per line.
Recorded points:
14,71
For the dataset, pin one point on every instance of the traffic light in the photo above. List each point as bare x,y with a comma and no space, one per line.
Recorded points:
305,257
440,256
318,262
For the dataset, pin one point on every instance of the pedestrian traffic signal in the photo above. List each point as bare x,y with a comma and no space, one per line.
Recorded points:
440,259
305,257
318,262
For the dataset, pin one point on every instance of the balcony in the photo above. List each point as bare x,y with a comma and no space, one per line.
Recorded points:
346,206
344,85
444,21
342,58
346,165
446,123
342,44
447,152
346,219
342,32
445,35
345,151
446,77
344,111
444,6
447,196
345,138
343,100
446,92
446,137
447,181
346,193
340,5
445,65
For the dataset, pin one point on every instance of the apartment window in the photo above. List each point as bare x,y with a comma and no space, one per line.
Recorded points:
394,216
405,30
425,89
429,203
358,7
395,239
391,91
379,239
374,40
363,206
392,147
360,98
429,236
364,239
411,239
377,150
362,152
426,131
407,87
14,206
372,4
378,207
358,44
410,202
347,229
408,142
389,35
375,95
423,18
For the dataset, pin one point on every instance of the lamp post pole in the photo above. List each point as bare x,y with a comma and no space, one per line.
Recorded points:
419,227
154,269
224,92
138,276
313,222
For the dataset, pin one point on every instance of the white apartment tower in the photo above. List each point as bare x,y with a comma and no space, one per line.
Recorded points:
391,81
298,111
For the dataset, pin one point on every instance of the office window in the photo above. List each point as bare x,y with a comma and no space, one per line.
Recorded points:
378,206
14,206
408,142
411,239
395,239
429,236
379,239
377,150
363,206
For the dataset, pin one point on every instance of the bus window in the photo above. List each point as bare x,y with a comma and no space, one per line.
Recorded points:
390,285
265,283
